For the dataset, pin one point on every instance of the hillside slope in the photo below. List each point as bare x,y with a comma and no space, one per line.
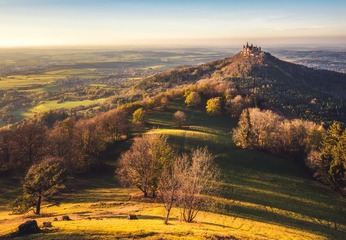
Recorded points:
294,89
261,197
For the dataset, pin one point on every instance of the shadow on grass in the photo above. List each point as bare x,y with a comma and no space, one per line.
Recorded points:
266,215
216,225
57,235
10,189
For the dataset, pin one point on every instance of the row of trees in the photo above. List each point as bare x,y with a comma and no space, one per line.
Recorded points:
53,155
323,151
153,167
78,142
216,105
266,130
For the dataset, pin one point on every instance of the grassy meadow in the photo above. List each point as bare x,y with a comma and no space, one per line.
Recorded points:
261,196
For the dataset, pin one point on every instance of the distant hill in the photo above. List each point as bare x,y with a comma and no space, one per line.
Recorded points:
293,89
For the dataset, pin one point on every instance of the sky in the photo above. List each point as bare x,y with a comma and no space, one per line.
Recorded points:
173,22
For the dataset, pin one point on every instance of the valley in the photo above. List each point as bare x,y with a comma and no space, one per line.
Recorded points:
33,81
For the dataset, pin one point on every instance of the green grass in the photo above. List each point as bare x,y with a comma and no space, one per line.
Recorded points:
23,81
10,189
258,185
52,105
262,196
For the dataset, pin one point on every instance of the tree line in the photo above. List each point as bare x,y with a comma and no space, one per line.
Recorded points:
323,151
73,146
78,142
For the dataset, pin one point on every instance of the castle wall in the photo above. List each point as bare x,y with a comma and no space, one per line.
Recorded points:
251,50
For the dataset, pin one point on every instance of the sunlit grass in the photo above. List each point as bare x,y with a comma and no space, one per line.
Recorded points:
261,197
52,105
95,220
71,72
23,81
186,134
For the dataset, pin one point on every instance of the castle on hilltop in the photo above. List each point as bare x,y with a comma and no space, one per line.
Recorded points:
251,50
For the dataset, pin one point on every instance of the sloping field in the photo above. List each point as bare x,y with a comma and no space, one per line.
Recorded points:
262,196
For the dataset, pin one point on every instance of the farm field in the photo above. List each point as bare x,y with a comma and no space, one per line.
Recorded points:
31,76
262,196
81,77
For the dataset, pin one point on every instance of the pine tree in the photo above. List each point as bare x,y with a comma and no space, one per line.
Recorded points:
338,162
333,154
242,135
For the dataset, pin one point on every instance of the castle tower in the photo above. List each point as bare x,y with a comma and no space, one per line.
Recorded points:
251,50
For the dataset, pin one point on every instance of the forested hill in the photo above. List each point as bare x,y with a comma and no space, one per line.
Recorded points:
293,89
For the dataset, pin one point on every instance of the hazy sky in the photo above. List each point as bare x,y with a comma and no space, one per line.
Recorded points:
192,22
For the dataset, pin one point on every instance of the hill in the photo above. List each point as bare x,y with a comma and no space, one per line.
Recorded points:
294,89
262,197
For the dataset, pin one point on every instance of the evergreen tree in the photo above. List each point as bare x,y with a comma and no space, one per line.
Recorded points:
242,135
338,162
333,154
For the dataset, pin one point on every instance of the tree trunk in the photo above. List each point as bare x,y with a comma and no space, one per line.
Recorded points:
38,206
167,216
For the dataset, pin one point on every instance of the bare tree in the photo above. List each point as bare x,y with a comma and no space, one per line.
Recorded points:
87,144
237,106
31,142
60,139
141,166
114,123
171,182
179,118
197,180
6,146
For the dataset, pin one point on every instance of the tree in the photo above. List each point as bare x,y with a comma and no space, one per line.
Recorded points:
60,139
171,181
114,123
42,181
6,147
337,167
138,116
164,102
330,140
214,106
31,141
87,144
264,129
333,154
138,119
314,163
242,135
141,166
193,99
196,179
179,118
236,106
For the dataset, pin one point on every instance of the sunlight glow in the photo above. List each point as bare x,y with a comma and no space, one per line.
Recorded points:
134,22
